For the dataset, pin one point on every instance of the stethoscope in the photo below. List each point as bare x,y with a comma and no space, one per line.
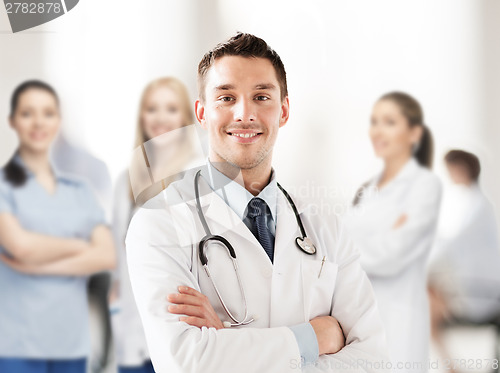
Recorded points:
304,243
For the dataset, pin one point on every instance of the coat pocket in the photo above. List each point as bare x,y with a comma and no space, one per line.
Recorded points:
318,281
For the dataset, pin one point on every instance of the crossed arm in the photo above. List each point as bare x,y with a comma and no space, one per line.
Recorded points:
389,253
197,311
35,253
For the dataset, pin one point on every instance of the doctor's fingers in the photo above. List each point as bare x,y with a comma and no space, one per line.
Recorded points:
188,299
200,322
197,315
205,312
183,309
190,291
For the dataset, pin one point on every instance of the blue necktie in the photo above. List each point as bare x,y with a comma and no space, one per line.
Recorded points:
259,212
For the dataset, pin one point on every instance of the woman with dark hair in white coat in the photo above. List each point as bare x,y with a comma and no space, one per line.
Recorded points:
393,223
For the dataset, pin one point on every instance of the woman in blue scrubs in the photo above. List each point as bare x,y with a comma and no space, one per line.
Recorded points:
53,235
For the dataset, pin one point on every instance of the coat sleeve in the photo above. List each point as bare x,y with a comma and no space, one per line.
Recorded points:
387,253
157,266
121,212
355,308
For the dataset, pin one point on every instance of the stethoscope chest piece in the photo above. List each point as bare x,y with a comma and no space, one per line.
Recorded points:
305,244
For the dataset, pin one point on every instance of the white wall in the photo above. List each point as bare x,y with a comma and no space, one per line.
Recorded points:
99,57
490,125
339,55
18,56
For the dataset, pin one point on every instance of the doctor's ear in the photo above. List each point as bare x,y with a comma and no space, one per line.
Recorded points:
285,111
199,111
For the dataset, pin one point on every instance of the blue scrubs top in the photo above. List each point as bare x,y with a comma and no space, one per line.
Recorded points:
46,317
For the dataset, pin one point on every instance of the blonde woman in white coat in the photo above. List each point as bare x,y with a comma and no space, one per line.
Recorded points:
393,223
165,109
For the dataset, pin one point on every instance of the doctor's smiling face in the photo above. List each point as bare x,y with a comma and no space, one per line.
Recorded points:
243,101
242,111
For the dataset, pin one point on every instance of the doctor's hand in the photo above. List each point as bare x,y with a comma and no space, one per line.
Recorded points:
196,306
329,334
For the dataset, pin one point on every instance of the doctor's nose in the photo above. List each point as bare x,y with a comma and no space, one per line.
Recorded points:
244,111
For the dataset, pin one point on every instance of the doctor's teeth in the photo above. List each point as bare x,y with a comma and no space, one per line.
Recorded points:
245,135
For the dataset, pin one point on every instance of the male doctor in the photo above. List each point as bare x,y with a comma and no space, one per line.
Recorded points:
300,311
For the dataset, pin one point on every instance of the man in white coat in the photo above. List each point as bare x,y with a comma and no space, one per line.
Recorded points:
293,310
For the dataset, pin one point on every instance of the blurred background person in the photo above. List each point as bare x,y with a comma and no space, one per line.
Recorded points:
163,144
74,159
53,235
464,276
393,222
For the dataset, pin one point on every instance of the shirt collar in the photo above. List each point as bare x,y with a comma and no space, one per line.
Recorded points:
406,171
58,174
236,196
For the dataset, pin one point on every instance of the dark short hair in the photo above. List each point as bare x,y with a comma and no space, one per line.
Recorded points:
465,159
245,45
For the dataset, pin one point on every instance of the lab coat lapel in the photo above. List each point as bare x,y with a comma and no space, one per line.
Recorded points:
286,229
287,306
405,175
255,268
287,293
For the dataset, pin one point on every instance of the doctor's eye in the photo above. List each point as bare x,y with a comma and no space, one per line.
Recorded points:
262,98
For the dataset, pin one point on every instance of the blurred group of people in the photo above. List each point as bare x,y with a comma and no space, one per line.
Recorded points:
424,247
54,235
58,251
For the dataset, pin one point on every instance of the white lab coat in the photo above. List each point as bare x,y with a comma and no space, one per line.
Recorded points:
395,259
466,259
162,254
